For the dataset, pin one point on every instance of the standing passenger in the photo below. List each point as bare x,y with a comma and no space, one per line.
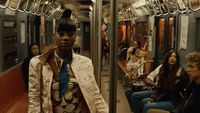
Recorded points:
61,81
105,46
32,51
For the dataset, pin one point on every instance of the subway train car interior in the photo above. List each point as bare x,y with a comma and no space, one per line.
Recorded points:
126,40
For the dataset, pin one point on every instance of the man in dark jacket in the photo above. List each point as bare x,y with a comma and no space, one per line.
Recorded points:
192,103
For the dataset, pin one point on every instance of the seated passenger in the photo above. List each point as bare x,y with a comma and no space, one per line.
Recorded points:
33,50
140,94
172,79
191,100
136,44
135,63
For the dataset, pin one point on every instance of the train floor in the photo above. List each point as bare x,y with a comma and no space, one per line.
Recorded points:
122,103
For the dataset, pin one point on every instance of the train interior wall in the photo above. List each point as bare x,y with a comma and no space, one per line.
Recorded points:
192,37
24,31
24,37
13,39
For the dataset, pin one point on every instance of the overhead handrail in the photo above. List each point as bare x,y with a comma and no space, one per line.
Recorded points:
43,4
40,8
48,7
172,3
132,9
122,12
190,6
60,14
57,13
127,11
35,6
27,6
182,7
150,8
54,11
155,8
164,10
22,6
14,4
32,5
53,7
6,4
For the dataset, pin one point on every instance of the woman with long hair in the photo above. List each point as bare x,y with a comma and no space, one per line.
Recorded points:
32,51
172,79
191,102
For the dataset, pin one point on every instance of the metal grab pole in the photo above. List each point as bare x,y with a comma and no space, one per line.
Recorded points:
113,57
99,4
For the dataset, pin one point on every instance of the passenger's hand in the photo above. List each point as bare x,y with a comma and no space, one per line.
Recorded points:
150,100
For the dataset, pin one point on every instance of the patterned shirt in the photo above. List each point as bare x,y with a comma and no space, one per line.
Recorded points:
70,101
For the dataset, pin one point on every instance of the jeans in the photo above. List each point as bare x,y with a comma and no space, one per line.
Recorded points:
128,92
147,104
135,100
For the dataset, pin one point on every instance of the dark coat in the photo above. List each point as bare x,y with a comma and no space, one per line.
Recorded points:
25,70
191,101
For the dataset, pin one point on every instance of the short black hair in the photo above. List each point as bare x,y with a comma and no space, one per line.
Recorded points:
66,25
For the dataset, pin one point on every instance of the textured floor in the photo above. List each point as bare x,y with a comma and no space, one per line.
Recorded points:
20,106
122,103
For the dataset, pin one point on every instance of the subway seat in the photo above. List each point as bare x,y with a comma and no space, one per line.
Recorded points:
14,98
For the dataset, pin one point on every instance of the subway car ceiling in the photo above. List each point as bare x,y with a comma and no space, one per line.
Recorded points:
82,9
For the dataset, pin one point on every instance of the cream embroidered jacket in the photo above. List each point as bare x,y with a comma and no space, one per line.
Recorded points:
40,79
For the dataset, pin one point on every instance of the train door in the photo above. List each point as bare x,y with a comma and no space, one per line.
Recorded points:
124,34
197,35
86,35
165,36
141,31
34,28
49,32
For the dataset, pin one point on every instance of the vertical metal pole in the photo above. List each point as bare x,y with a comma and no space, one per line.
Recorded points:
93,38
95,41
113,57
176,32
99,2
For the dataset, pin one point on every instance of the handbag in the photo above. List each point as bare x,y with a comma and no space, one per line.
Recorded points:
140,86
